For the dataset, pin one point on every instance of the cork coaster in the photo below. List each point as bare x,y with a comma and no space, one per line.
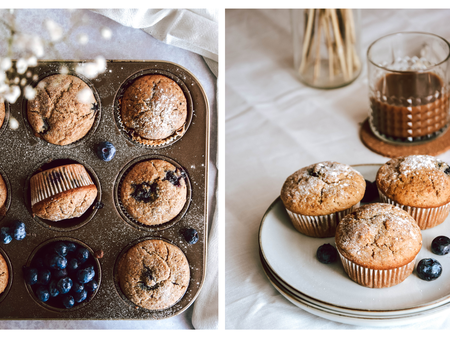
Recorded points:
435,147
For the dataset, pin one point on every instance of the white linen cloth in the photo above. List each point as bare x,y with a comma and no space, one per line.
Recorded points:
195,30
275,125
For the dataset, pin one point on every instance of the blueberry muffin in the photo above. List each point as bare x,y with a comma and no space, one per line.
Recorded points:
2,112
153,274
378,244
62,193
4,274
153,192
153,109
3,192
318,196
419,184
63,110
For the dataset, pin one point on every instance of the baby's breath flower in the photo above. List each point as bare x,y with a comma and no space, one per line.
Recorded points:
13,123
64,70
82,39
101,64
12,94
32,61
35,77
16,80
36,46
84,95
54,29
23,81
21,66
88,69
5,63
29,92
106,33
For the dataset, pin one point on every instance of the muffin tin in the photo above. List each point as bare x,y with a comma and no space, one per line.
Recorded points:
105,227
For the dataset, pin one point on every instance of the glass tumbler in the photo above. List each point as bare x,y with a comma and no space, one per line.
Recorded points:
327,51
408,87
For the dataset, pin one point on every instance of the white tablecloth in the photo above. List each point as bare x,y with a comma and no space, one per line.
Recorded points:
132,44
275,125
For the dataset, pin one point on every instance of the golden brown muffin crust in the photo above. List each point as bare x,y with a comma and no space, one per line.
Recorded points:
153,192
154,274
323,188
56,114
379,236
154,107
417,181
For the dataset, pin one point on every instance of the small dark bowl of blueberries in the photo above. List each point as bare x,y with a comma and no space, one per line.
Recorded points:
62,274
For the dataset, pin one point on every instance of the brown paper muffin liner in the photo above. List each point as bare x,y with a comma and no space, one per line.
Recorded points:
51,182
376,278
318,226
426,218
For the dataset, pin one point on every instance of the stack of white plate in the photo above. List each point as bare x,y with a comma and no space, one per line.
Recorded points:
290,263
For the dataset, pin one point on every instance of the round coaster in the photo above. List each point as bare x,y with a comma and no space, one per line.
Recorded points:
435,147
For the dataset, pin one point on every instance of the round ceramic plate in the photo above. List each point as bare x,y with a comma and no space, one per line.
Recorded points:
291,256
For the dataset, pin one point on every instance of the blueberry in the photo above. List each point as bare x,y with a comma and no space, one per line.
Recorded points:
55,261
71,246
19,231
429,269
190,235
80,296
53,289
77,287
327,254
440,245
72,264
85,275
64,285
371,193
81,254
106,151
68,301
44,276
58,274
91,286
30,275
61,249
5,236
42,293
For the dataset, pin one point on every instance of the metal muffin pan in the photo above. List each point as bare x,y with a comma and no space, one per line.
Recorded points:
104,228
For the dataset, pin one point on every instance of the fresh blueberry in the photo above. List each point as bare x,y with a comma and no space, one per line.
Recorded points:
81,254
190,235
19,231
61,249
5,236
58,274
77,287
91,286
371,193
72,264
106,151
42,293
71,246
327,254
440,245
53,289
55,261
429,269
64,285
30,275
44,276
85,275
68,301
80,296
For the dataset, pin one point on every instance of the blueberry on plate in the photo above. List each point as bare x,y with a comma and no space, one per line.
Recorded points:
429,269
91,286
58,274
64,285
85,275
72,264
42,293
68,301
77,287
53,289
190,235
440,245
19,231
30,275
80,296
71,246
327,254
5,236
371,193
55,261
44,276
61,249
82,255
106,151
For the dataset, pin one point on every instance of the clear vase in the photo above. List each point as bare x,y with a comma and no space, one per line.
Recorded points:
327,51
